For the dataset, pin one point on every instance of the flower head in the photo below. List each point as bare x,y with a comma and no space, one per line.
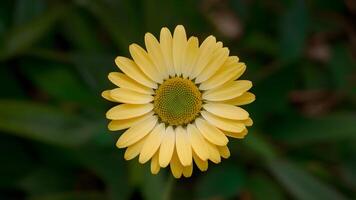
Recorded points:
179,102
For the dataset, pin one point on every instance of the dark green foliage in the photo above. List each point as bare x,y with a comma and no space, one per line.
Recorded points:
54,61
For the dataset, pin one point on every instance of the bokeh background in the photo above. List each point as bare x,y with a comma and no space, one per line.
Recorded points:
54,61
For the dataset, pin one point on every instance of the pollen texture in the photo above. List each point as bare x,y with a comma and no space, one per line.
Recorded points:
177,101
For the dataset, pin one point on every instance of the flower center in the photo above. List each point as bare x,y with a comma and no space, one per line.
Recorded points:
177,101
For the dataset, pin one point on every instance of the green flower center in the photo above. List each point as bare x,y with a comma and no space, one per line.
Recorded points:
177,101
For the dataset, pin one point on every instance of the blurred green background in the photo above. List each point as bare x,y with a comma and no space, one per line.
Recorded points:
54,61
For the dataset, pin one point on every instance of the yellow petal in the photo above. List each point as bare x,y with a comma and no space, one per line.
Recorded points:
134,150
183,146
188,171
136,132
144,62
116,125
248,122
223,123
217,60
152,143
238,135
218,46
123,81
214,154
179,44
232,60
155,53
106,95
201,164
227,91
244,99
224,151
211,133
228,72
167,147
130,68
127,111
124,95
176,166
154,164
191,53
167,50
226,111
206,49
198,142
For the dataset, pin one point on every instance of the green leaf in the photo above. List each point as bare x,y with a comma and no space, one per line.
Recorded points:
45,180
294,28
347,171
21,37
223,182
107,163
26,10
12,87
262,186
260,146
314,76
44,124
301,184
260,42
175,12
15,164
111,21
342,68
59,82
94,68
5,16
302,131
80,195
80,32
156,187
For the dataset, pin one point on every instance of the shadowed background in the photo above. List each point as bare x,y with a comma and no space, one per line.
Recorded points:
54,61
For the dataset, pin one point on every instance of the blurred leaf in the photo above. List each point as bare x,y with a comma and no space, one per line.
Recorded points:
94,68
26,10
110,19
348,172
80,32
175,12
330,5
82,195
22,37
152,187
260,146
294,29
303,131
274,88
45,124
12,87
106,163
342,68
259,42
5,16
59,82
300,184
261,187
240,7
224,182
156,187
16,164
47,181
314,76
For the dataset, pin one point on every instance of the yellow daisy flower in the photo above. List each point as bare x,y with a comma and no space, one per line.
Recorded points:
179,102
